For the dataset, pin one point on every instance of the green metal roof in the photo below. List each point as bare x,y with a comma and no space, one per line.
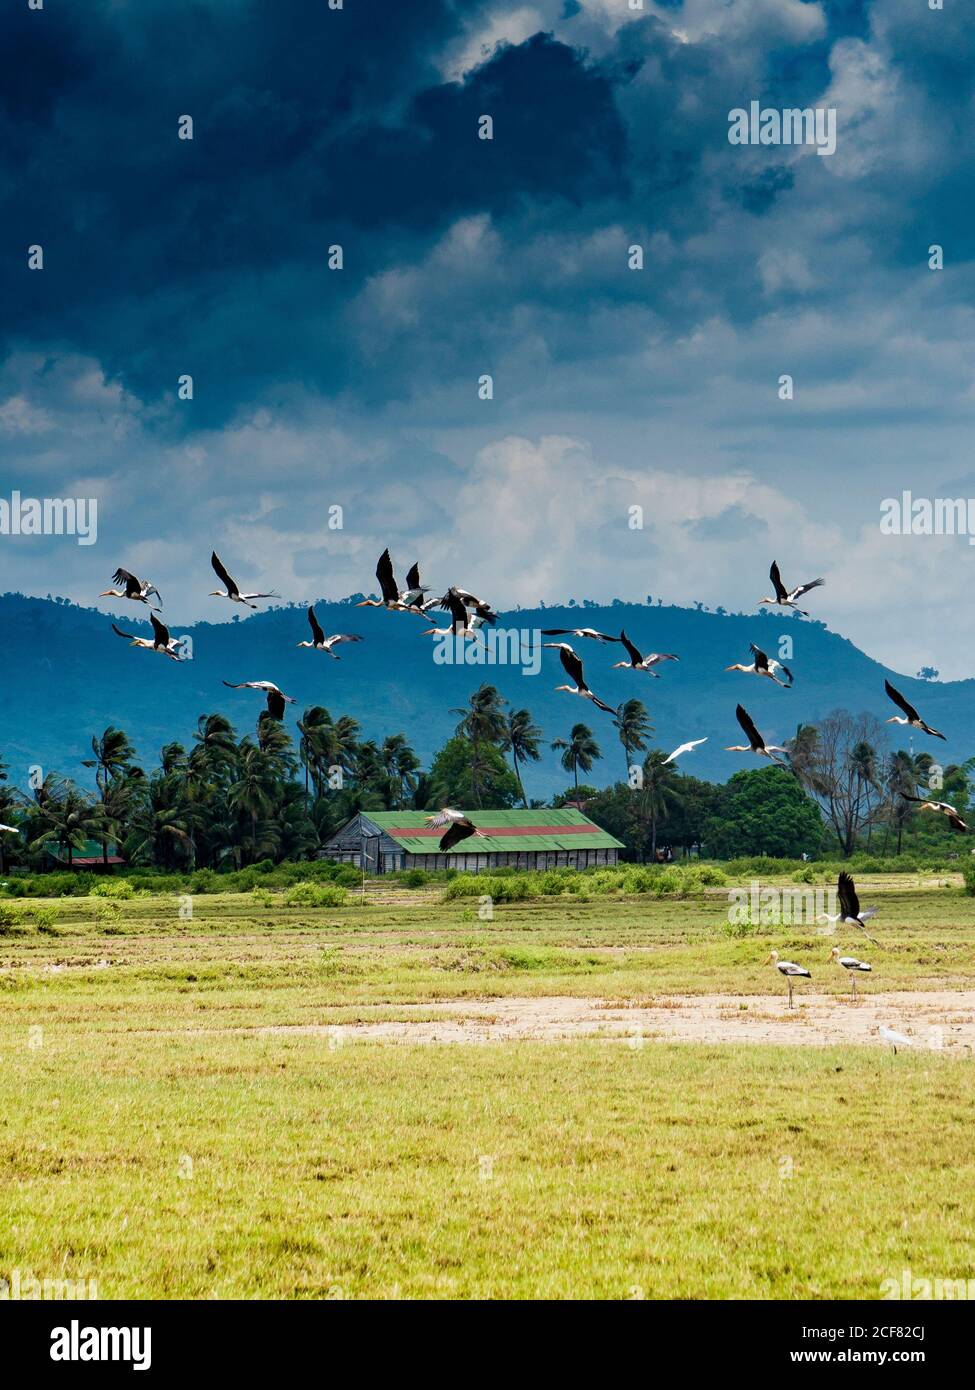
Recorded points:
515,827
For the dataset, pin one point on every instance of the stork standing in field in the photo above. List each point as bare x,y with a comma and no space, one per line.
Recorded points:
786,598
276,699
573,669
136,589
638,662
762,666
851,965
160,641
954,819
320,643
756,744
589,632
913,719
684,748
850,913
458,827
232,590
789,969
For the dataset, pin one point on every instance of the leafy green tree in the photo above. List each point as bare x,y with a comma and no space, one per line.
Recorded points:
457,769
763,812
482,724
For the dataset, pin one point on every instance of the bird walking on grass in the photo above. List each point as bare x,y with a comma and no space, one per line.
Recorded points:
851,965
790,970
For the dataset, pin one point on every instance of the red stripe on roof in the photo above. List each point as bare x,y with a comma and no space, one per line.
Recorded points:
496,832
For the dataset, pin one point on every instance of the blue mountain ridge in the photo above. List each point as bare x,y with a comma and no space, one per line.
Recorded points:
69,676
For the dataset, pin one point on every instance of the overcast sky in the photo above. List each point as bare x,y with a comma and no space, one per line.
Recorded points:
613,388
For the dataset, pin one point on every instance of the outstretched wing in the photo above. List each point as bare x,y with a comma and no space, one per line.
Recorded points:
459,830
635,656
455,606
343,637
387,580
217,564
761,660
160,632
132,584
847,894
781,591
118,630
899,700
751,733
413,576
317,633
275,704
573,667
601,704
804,588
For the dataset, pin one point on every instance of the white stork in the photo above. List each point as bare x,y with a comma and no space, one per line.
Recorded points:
913,719
789,969
684,748
276,699
458,827
573,668
851,965
639,662
136,589
321,643
756,744
461,622
850,913
786,598
951,812
589,632
159,642
478,606
762,666
232,590
394,599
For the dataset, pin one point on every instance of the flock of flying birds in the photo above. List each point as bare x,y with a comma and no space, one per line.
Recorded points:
468,614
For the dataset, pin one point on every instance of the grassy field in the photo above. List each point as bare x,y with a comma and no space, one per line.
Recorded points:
152,1140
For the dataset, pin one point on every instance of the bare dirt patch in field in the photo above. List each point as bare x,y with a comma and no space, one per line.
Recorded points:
943,1021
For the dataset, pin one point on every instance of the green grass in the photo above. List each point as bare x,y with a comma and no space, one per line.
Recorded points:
147,1143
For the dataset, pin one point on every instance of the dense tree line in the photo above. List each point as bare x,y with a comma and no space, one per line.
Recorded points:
227,800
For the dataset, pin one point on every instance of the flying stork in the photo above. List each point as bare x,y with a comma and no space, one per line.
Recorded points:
478,606
573,668
232,590
954,819
136,589
458,827
160,642
393,598
756,744
912,717
639,662
276,699
461,622
850,913
589,632
321,643
851,965
762,666
789,969
786,598
684,748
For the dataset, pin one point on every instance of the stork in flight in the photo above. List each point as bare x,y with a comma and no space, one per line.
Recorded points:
762,666
756,744
320,643
160,642
954,819
478,606
913,719
639,662
136,589
789,969
393,598
232,591
458,827
461,622
589,632
786,598
276,699
573,668
850,913
684,748
851,965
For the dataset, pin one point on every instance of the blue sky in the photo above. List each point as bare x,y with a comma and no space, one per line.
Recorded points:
612,388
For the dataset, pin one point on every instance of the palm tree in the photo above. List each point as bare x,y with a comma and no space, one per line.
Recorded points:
581,751
633,724
69,816
113,755
482,721
658,793
520,738
400,766
252,794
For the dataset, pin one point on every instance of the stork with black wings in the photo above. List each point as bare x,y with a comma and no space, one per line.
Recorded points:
276,699
589,632
786,598
572,664
762,666
458,827
851,913
394,599
756,744
232,590
951,812
159,642
320,643
639,662
133,588
913,719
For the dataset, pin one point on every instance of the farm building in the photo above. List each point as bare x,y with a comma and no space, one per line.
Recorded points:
90,856
381,841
